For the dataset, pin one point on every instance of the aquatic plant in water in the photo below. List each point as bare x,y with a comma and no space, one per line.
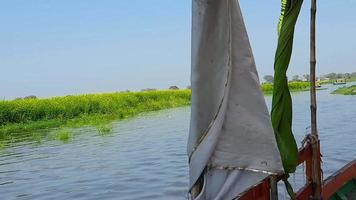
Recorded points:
37,137
104,129
346,90
64,135
2,145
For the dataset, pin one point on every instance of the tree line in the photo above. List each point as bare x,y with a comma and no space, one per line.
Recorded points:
306,77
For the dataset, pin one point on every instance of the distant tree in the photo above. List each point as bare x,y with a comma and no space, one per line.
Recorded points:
347,75
268,78
148,89
30,97
340,75
295,78
174,87
331,75
306,77
353,74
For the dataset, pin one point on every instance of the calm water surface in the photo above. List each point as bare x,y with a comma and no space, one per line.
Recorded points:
145,157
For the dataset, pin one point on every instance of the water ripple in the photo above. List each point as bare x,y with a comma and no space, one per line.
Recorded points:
145,157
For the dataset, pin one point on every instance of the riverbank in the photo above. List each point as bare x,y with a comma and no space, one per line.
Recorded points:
156,144
75,111
297,86
26,115
346,90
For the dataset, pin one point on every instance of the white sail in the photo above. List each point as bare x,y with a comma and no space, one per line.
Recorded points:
231,141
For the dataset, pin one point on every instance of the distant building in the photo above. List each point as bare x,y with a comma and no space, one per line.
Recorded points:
340,81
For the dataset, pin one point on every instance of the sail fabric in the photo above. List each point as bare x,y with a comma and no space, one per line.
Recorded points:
282,101
231,144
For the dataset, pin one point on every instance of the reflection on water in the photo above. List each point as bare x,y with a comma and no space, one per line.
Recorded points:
145,157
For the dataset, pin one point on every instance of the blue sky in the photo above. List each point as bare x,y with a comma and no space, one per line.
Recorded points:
51,47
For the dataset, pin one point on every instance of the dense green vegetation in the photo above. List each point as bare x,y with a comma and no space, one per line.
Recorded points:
346,90
27,115
297,86
92,109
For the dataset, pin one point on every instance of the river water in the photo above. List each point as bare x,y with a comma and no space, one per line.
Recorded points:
145,157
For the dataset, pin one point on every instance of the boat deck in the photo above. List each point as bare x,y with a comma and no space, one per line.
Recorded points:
348,191
351,195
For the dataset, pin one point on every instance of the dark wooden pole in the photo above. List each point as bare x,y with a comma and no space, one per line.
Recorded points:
313,107
274,188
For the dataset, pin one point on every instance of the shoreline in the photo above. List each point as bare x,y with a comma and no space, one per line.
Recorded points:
18,116
350,90
98,110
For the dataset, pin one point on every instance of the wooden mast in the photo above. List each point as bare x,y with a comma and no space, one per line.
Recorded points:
316,161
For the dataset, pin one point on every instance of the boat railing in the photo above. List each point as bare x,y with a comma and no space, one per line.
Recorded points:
338,179
262,190
305,157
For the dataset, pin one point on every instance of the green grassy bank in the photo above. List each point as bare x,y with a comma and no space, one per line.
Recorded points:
267,88
25,115
75,111
346,90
